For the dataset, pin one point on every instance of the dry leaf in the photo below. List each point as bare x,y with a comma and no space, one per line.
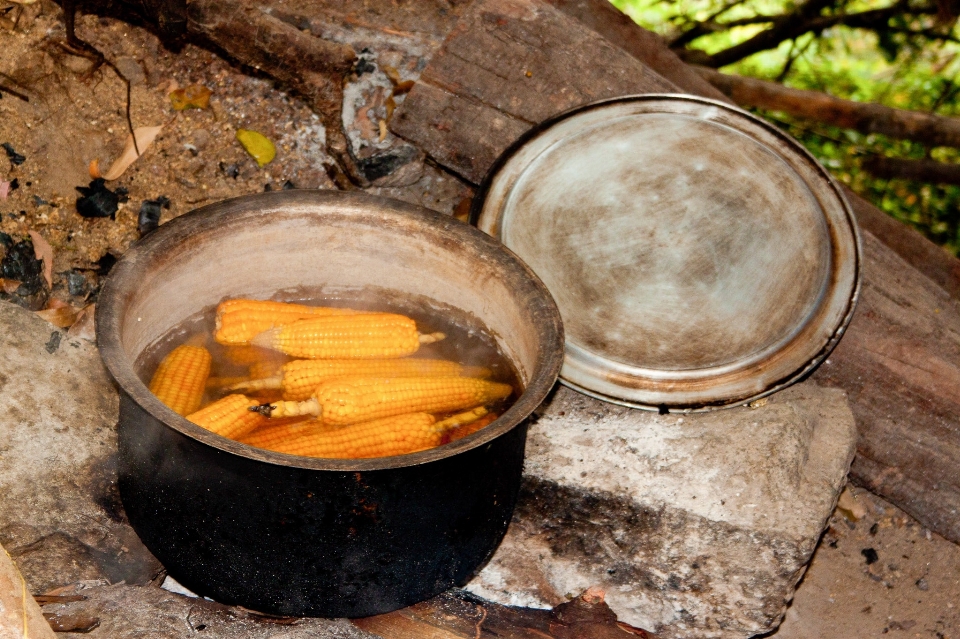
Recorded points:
145,137
257,145
43,251
83,327
61,317
195,96
9,286
23,1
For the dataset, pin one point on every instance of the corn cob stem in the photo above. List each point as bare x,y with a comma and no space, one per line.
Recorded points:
181,378
345,401
299,379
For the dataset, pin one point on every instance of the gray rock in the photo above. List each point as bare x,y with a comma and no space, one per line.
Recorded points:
134,612
60,514
695,525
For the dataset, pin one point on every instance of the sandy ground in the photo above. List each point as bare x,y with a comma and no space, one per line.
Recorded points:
876,571
76,114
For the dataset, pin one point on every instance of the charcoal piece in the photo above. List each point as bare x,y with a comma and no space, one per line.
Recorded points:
99,201
230,170
39,201
77,283
870,555
15,158
288,186
14,184
150,210
20,264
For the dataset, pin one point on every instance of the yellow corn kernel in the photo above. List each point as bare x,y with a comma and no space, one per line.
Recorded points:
299,379
181,378
240,320
367,336
282,429
230,417
396,435
351,400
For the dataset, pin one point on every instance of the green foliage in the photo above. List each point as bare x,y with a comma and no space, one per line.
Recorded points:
890,67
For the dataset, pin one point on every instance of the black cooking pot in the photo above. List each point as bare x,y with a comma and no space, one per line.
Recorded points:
302,536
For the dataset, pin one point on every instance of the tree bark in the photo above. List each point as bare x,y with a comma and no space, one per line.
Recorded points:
929,171
926,128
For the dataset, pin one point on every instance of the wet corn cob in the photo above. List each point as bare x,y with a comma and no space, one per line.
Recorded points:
469,428
366,336
277,430
181,378
395,435
240,320
230,417
351,400
299,379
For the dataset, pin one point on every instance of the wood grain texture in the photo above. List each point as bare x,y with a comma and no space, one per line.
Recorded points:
900,359
900,365
507,65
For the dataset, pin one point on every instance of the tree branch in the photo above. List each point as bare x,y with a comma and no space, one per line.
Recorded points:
926,128
791,26
928,171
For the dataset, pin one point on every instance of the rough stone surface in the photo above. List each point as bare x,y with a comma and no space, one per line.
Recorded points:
60,514
135,612
695,525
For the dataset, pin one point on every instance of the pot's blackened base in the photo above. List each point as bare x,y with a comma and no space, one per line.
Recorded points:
304,542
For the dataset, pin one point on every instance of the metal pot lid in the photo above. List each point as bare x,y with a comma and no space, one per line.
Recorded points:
699,257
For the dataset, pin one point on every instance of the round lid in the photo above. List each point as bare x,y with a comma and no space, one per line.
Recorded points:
699,256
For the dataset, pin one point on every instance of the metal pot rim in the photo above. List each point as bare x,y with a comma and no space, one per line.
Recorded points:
129,270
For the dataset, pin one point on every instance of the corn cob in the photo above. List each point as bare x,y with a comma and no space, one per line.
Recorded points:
468,429
395,435
299,379
181,378
239,320
230,417
246,355
460,419
351,400
366,336
284,428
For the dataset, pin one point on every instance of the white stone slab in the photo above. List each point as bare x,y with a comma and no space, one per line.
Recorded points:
695,525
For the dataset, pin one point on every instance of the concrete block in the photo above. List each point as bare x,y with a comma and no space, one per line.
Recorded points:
60,513
696,525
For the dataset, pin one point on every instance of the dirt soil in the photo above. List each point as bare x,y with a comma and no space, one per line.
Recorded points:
76,114
876,571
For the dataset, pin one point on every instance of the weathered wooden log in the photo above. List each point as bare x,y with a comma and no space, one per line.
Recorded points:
19,613
865,117
455,615
908,419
